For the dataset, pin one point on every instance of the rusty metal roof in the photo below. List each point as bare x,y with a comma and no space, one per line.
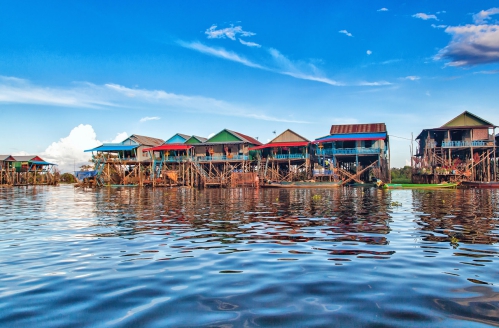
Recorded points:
358,128
146,141
246,138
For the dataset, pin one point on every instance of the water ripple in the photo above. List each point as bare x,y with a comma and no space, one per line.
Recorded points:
245,257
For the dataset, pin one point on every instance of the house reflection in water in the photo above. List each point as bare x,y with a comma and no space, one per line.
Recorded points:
456,216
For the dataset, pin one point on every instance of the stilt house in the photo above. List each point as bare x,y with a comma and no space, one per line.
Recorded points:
226,145
30,163
285,158
354,153
178,138
6,162
462,149
129,150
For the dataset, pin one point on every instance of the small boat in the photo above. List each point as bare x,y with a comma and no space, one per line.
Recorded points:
418,185
361,185
302,184
479,184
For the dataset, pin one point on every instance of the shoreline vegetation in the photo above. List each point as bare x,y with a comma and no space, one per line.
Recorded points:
401,175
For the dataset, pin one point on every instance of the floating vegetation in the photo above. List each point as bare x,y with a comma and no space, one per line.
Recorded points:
395,204
316,197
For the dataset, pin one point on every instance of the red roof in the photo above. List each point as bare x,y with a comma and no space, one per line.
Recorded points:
169,147
358,128
282,144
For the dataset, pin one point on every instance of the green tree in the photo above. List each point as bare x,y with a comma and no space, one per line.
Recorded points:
68,178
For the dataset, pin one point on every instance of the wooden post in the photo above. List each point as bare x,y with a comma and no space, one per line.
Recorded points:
495,159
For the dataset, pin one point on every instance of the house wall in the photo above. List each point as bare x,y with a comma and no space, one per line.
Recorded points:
175,139
480,134
218,149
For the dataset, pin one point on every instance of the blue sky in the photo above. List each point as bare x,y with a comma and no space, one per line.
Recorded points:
75,74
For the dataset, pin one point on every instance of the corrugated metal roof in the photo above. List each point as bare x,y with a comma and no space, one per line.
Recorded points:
5,158
112,148
352,136
169,147
146,141
25,158
289,136
200,138
42,163
358,128
468,119
185,136
246,138
282,144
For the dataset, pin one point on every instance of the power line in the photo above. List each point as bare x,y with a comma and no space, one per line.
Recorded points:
391,135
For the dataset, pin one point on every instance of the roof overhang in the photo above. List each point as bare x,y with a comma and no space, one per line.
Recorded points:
41,163
168,147
113,148
352,137
281,144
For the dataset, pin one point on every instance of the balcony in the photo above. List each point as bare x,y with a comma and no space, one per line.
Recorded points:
291,156
222,158
175,159
349,151
476,143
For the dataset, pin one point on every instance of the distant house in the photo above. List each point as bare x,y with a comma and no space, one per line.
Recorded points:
177,138
130,149
225,145
28,163
287,145
461,149
360,151
195,140
6,162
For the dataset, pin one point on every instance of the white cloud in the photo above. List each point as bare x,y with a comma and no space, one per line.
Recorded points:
425,16
411,78
299,70
149,118
484,15
383,9
117,96
494,71
249,44
121,136
280,64
211,135
438,26
68,151
21,153
14,90
471,45
369,52
219,52
428,93
228,32
197,104
374,84
346,33
277,63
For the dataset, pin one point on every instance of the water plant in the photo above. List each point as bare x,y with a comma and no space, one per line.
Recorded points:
316,197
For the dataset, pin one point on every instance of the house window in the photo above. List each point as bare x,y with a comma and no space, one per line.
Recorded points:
368,143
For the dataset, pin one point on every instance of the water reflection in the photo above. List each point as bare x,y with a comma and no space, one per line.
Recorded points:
458,216
235,257
235,216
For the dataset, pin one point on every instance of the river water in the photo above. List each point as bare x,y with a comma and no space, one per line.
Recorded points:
122,257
